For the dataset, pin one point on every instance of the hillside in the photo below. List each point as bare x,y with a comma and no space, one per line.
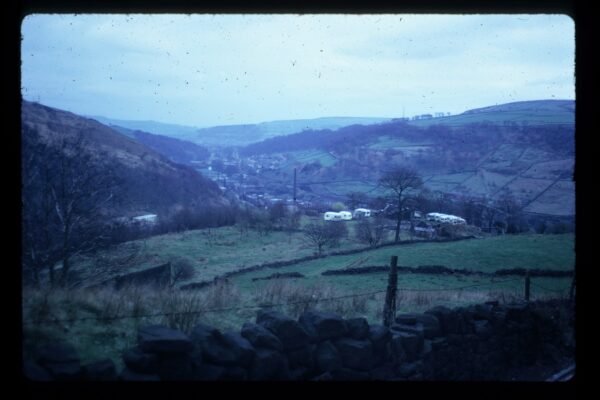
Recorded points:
158,128
532,158
233,135
149,181
240,135
177,150
536,112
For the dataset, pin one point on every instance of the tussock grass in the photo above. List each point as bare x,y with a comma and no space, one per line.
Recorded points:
93,324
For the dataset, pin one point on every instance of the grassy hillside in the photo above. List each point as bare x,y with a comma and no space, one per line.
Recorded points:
214,251
158,128
540,112
516,147
241,135
228,306
149,181
555,252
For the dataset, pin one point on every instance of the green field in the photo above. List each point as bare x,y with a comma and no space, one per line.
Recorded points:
555,252
302,157
229,305
559,199
560,116
213,252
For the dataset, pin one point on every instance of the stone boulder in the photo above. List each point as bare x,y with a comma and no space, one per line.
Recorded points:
160,339
430,325
327,357
269,364
240,346
358,328
355,354
379,335
259,336
302,357
323,325
291,334
449,320
140,362
411,343
230,349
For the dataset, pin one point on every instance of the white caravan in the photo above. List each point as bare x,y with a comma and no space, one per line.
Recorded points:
361,212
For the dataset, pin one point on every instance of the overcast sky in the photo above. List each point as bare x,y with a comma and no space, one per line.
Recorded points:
204,70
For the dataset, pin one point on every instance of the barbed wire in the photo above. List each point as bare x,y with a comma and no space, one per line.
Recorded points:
245,307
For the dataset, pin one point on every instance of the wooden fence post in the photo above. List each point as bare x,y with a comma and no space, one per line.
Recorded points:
527,285
389,309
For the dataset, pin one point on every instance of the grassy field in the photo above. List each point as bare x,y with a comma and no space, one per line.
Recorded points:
559,199
550,169
99,338
213,252
555,252
559,116
306,157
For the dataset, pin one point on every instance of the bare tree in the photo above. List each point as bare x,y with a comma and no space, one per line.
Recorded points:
370,231
321,234
400,180
513,213
181,270
71,190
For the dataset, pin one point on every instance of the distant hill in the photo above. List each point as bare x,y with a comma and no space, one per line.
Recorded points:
151,182
239,135
535,112
157,128
233,135
180,151
532,158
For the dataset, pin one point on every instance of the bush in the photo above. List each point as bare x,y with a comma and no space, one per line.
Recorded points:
181,270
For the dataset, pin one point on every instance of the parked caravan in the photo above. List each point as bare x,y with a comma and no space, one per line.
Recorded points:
446,218
332,216
346,215
361,212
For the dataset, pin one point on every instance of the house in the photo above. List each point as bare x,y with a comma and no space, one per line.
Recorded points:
361,212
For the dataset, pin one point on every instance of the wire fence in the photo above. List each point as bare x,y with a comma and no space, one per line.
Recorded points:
257,306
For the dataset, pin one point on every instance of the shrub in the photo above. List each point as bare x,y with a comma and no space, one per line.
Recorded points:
181,270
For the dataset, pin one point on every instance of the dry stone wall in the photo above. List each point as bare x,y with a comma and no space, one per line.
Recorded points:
478,342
